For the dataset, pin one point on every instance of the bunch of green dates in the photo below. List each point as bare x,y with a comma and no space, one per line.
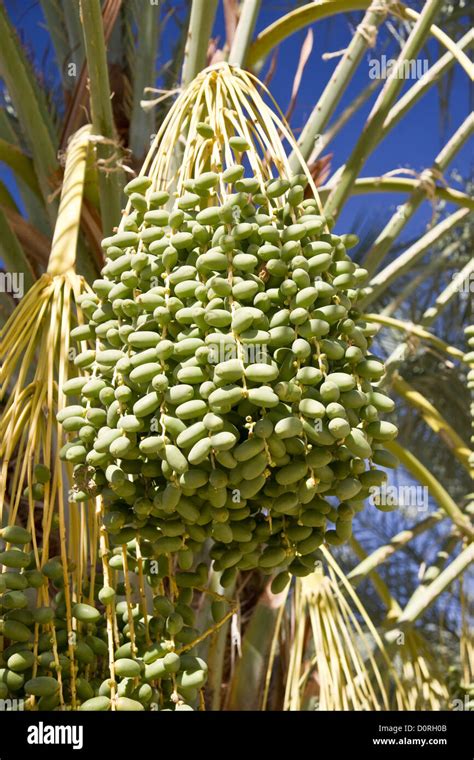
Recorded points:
149,672
19,582
34,629
230,390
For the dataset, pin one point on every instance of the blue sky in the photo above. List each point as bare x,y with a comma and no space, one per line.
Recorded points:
412,144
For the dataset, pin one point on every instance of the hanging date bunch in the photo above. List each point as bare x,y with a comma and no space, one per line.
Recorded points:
230,389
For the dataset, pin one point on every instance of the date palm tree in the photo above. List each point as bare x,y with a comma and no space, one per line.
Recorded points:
346,637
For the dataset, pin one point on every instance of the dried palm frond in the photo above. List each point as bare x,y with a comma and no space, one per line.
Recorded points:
37,358
344,664
343,651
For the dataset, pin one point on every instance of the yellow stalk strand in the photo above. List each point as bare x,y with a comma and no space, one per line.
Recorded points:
358,604
66,231
273,650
